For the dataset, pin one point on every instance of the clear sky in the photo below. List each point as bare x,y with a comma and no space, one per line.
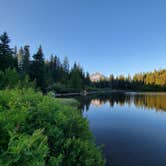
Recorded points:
107,36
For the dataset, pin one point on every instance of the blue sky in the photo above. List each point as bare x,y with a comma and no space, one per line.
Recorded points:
107,36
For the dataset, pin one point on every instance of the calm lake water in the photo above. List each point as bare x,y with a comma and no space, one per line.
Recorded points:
131,126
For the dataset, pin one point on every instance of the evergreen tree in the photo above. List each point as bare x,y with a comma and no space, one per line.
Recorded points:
26,59
54,66
65,70
87,79
38,69
66,65
58,69
75,77
20,62
6,53
15,58
52,63
23,61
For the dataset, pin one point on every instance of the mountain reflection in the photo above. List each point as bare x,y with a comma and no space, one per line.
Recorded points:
155,101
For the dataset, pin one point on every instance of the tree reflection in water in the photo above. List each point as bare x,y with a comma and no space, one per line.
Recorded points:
155,101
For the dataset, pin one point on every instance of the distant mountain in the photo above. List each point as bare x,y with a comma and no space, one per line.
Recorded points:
95,77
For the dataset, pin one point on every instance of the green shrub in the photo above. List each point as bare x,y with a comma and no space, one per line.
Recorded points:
10,79
65,139
26,150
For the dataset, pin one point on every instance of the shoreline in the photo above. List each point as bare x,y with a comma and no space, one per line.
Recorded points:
90,93
102,91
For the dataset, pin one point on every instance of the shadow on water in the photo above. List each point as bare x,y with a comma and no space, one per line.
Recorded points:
131,126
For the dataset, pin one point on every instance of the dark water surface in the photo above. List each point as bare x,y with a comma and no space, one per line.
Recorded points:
131,126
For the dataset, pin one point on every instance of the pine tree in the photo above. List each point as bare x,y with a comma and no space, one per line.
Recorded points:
75,78
6,53
66,65
65,71
38,69
20,62
87,79
26,59
54,66
58,71
52,63
15,57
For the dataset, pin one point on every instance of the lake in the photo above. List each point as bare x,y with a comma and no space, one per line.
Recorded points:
130,126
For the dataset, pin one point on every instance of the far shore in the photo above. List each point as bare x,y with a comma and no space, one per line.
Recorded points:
84,93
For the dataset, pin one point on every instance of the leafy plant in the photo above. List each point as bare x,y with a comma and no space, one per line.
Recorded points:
41,130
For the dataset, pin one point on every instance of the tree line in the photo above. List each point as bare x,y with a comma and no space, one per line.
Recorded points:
146,81
51,74
57,75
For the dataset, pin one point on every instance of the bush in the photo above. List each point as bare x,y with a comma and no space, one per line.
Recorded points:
40,130
9,79
26,150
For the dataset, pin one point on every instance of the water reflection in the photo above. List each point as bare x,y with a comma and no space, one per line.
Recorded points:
155,101
131,126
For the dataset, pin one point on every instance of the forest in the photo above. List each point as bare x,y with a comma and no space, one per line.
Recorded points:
144,81
53,74
38,129
48,74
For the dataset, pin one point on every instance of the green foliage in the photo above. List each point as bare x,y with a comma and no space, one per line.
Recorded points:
56,75
150,81
44,73
76,77
26,60
83,151
6,54
41,130
153,78
26,150
23,62
20,59
37,72
63,88
10,79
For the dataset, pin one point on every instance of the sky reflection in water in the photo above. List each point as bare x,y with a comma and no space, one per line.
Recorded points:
131,126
